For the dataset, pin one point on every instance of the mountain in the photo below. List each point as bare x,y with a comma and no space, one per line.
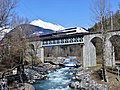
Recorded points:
32,30
47,25
36,30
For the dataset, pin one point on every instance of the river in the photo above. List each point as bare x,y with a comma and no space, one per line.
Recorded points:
58,79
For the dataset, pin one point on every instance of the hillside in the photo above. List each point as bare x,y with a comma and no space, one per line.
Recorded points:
116,23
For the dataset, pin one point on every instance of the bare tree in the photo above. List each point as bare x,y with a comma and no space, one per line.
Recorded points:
34,52
17,20
6,12
101,10
15,43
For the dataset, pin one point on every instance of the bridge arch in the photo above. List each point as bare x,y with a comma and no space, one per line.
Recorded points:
89,49
96,37
115,40
109,47
97,42
113,33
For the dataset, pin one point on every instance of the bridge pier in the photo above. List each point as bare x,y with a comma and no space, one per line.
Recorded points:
42,54
81,56
109,54
89,53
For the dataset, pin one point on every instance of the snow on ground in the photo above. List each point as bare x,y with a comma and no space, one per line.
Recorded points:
3,32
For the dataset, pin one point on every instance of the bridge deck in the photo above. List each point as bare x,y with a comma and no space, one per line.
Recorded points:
53,37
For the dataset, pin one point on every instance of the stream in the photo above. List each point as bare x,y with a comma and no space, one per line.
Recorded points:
58,79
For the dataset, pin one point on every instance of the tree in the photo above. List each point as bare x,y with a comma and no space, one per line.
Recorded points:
17,20
101,11
6,12
32,52
15,43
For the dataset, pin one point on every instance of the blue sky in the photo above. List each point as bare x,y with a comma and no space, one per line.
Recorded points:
68,13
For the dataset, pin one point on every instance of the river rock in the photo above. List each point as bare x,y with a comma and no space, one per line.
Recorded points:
78,78
43,77
72,85
71,73
73,78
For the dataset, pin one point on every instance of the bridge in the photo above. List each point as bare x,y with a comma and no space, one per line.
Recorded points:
84,39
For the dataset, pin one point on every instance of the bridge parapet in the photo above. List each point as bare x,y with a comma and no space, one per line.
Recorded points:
63,41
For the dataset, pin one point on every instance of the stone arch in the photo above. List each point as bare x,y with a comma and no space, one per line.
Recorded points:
97,42
109,48
89,50
115,40
94,37
111,34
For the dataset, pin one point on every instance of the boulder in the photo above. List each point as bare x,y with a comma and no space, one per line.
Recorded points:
72,85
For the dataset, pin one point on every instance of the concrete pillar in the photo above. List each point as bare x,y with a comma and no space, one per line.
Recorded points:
109,54
42,54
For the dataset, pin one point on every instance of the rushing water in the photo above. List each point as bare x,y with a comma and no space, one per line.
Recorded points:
59,79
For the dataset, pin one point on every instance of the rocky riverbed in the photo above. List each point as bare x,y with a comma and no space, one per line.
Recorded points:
79,78
85,82
39,72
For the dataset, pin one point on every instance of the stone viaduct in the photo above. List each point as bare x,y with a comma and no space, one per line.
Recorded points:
89,50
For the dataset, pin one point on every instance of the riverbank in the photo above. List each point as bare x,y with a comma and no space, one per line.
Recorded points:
32,75
84,81
93,80
113,80
28,86
39,73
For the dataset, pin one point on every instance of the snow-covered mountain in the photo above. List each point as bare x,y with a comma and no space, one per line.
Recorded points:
39,27
47,25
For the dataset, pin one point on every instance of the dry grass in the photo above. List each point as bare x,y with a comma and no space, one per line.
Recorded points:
113,81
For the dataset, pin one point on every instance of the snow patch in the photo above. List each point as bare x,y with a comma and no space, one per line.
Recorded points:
47,25
3,32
